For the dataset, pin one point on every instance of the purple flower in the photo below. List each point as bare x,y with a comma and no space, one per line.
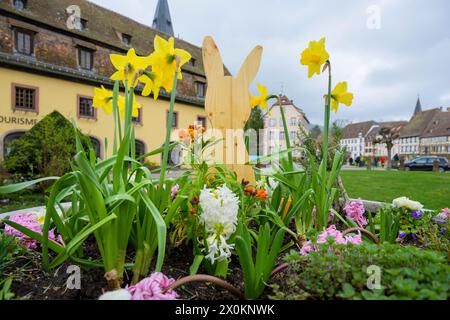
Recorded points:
414,236
440,220
416,214
402,235
442,230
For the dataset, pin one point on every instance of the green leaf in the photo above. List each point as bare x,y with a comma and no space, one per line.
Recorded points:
160,227
196,264
23,185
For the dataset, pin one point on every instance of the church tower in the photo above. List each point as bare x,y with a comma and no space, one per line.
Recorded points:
162,20
418,108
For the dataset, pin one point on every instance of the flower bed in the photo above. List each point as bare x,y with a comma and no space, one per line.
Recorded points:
211,230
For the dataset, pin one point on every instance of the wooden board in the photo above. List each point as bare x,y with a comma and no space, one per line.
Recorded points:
227,104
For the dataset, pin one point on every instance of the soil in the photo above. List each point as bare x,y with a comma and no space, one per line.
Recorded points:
32,283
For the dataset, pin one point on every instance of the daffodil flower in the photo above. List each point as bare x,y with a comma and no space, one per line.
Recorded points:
164,61
260,100
314,57
128,66
151,83
122,107
340,95
103,99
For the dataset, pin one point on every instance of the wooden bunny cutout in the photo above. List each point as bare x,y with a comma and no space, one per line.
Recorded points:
227,104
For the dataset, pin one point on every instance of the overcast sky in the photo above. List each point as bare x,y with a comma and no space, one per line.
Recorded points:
386,61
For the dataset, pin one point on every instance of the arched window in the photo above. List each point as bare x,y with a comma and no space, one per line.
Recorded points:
8,139
96,144
140,148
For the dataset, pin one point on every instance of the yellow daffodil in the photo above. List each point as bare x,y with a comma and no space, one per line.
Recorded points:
163,61
261,100
122,106
151,83
340,95
103,99
127,66
314,56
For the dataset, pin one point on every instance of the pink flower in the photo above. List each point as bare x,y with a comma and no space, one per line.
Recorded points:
174,191
330,216
330,232
152,288
354,239
30,222
446,212
306,248
355,211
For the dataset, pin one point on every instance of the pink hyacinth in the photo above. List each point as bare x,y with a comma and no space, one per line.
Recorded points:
355,211
152,288
330,232
306,248
30,222
446,212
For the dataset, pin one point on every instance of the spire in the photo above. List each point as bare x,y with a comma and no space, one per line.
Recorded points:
418,106
162,20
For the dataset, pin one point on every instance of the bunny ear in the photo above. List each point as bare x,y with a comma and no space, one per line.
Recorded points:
250,66
212,60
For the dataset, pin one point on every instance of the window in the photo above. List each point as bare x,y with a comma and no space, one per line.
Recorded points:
20,4
138,119
272,122
281,135
293,121
96,145
83,24
174,119
201,121
192,62
201,89
139,148
23,41
271,135
292,135
25,98
85,108
7,141
85,58
126,39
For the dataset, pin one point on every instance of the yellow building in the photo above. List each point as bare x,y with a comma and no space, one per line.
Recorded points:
54,53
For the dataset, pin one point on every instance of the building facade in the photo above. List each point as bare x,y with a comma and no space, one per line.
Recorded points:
54,53
274,134
355,138
427,133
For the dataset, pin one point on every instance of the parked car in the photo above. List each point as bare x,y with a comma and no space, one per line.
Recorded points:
426,164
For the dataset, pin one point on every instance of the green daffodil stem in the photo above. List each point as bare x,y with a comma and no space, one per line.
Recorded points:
326,122
286,132
169,127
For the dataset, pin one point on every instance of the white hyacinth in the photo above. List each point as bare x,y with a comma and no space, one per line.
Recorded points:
404,202
219,215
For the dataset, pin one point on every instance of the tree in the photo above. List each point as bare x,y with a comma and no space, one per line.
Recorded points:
387,136
45,150
255,122
315,132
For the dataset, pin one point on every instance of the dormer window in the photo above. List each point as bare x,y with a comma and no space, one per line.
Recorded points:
192,62
126,39
20,4
83,24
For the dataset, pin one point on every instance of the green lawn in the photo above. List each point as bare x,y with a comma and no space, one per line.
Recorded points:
21,200
429,188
